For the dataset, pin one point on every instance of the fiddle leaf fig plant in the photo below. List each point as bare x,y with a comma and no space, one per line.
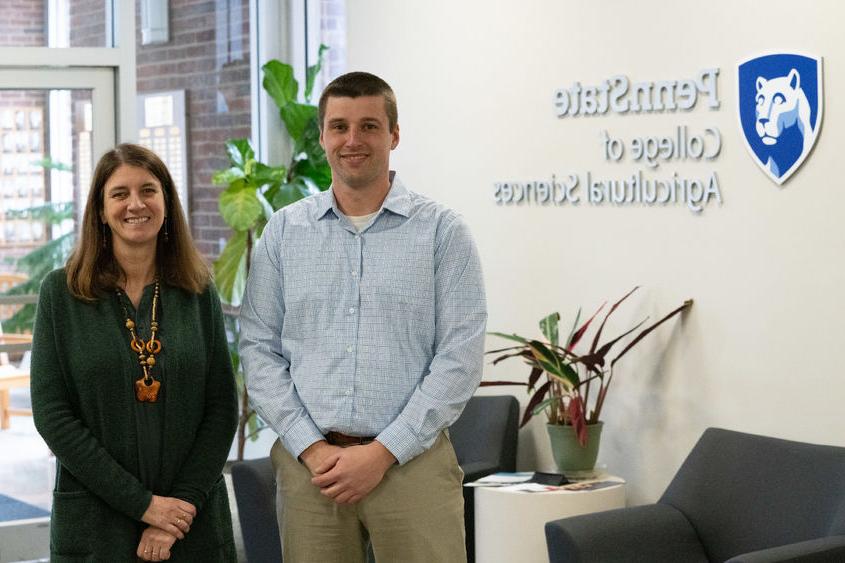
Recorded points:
576,383
255,190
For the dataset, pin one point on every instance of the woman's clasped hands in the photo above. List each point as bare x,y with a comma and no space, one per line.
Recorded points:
169,519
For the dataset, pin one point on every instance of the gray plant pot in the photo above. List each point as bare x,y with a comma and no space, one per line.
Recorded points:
568,454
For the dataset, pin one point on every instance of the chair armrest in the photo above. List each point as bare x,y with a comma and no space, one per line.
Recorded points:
654,533
820,550
254,482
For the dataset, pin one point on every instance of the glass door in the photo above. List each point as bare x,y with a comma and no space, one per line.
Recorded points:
54,124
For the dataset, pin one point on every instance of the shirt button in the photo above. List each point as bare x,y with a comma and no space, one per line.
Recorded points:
354,273
352,310
348,392
349,348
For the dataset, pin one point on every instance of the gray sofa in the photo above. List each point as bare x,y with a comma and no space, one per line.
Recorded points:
738,497
485,440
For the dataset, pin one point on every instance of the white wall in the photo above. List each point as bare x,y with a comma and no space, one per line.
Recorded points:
759,351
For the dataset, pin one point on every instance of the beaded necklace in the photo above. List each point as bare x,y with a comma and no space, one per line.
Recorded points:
146,386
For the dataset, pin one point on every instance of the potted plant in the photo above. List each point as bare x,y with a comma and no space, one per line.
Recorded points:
254,191
575,386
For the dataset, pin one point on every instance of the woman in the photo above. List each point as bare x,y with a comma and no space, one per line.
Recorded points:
132,385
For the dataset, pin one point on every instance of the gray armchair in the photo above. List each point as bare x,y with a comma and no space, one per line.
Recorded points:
738,498
254,482
484,437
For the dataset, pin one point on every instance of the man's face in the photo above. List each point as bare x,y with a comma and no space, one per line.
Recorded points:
357,139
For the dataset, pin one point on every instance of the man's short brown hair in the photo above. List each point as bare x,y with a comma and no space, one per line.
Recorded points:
356,84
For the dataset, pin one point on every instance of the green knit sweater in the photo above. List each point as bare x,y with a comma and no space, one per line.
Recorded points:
83,403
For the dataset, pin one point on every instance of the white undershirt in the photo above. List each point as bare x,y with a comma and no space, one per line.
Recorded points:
361,221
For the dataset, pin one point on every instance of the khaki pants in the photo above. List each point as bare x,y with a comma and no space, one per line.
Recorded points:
415,514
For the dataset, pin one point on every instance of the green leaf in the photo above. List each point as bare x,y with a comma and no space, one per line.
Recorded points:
252,426
52,213
547,403
566,375
240,152
239,380
230,269
22,321
570,374
227,176
240,208
306,186
265,207
259,227
48,163
36,265
280,83
263,174
309,143
549,328
318,172
46,258
290,192
297,117
513,337
312,71
556,372
542,352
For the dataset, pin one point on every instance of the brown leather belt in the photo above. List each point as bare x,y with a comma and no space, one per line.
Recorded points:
338,439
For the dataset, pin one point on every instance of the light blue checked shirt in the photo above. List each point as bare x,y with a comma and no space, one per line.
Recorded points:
372,333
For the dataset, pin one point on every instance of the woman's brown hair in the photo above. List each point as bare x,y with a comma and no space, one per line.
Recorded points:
92,269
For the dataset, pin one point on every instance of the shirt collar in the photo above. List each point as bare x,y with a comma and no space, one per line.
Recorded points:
398,200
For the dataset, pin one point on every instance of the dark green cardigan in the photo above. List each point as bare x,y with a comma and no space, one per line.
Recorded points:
82,401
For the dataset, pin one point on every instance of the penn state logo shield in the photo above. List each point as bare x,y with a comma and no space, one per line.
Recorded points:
780,110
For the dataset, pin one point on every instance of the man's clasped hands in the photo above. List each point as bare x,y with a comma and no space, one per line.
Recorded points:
345,475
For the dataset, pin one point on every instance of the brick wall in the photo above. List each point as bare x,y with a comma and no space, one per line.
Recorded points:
87,23
22,23
208,57
87,29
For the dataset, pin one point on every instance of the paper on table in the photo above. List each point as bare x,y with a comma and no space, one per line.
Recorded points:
501,479
573,487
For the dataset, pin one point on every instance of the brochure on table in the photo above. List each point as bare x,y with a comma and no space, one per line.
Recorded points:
521,481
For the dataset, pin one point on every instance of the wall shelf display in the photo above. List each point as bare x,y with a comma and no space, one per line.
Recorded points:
21,180
161,128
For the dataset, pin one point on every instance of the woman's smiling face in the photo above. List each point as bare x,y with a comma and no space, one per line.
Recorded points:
133,207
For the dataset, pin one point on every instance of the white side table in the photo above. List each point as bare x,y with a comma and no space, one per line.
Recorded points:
510,525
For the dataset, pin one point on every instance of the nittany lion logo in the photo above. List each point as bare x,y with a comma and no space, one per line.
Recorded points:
780,110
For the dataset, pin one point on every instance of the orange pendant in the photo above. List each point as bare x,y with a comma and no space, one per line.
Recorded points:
147,393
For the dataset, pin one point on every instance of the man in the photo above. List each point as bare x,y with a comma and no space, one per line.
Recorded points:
362,335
